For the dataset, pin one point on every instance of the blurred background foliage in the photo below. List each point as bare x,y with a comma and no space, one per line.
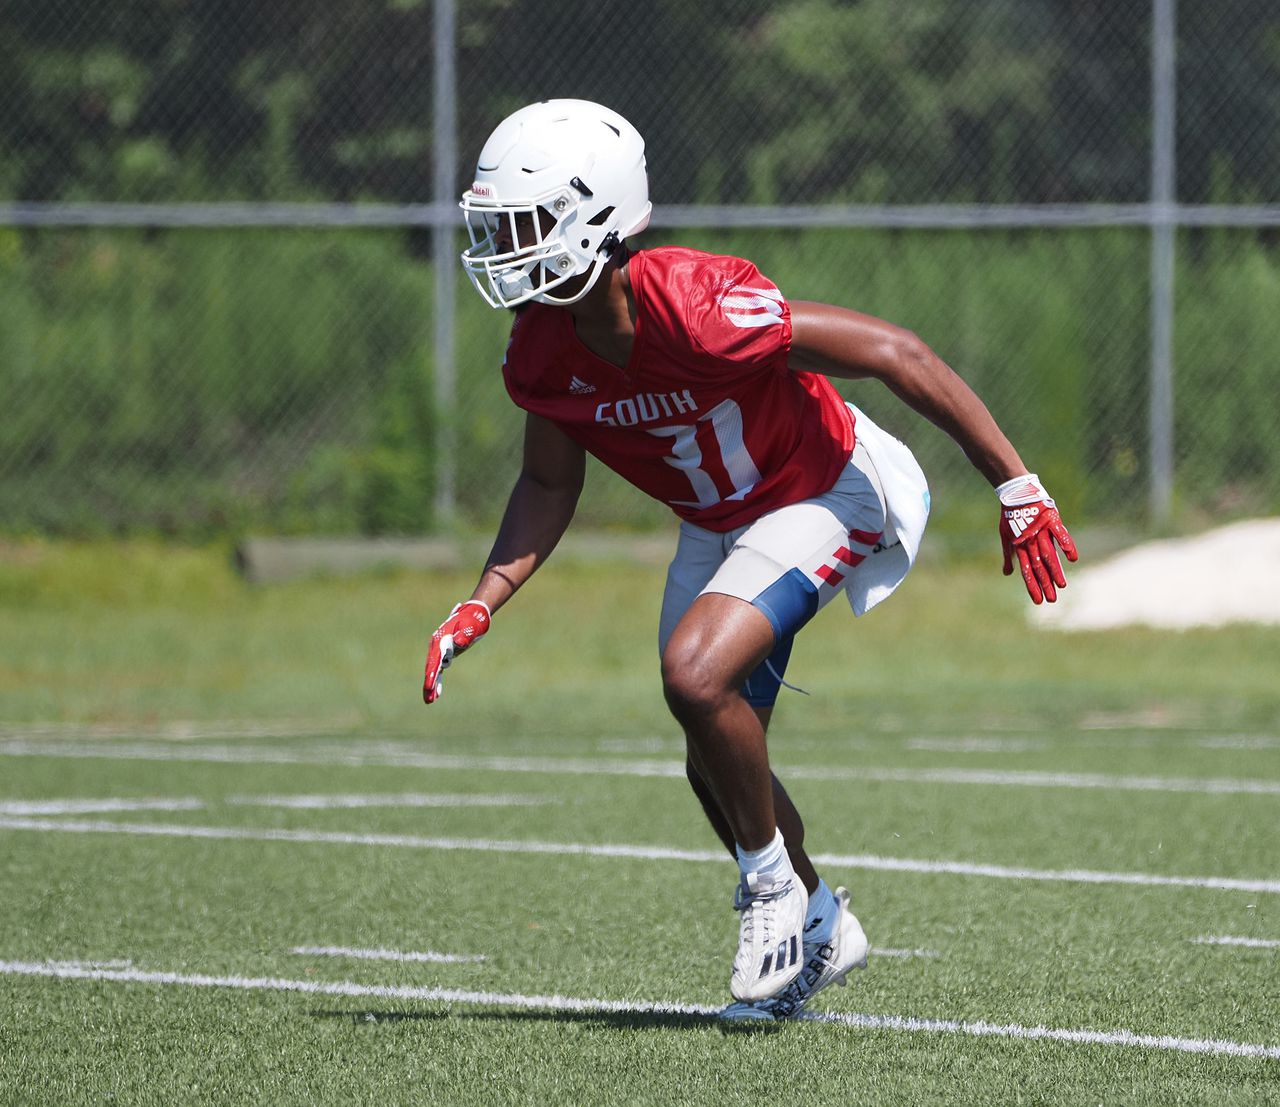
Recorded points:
201,381
794,101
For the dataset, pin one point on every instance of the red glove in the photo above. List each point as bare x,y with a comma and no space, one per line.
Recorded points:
465,624
1029,525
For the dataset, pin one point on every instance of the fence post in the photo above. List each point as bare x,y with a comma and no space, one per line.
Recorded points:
1163,240
445,154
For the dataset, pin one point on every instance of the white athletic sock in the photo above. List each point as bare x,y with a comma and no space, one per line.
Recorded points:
770,862
820,922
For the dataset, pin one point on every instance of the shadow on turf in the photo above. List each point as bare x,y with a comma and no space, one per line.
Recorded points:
615,1020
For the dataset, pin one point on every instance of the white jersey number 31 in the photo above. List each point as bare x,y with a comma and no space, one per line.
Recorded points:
686,455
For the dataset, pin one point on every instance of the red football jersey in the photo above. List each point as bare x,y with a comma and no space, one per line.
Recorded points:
706,416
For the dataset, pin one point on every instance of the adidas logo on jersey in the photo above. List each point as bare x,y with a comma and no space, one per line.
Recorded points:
579,387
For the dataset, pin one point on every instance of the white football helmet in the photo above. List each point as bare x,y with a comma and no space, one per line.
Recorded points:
558,186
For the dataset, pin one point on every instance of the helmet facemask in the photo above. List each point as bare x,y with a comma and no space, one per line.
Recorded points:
522,251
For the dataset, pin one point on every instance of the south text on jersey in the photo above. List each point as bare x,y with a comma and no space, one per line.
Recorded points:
647,407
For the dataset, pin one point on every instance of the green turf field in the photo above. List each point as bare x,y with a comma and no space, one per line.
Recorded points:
227,822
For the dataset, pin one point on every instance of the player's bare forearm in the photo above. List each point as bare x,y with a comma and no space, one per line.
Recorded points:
925,382
844,343
534,522
538,513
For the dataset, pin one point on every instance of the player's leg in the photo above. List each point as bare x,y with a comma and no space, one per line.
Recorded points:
788,566
715,646
834,942
778,574
788,817
699,555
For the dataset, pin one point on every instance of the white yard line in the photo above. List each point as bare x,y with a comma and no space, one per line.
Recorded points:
517,1001
975,745
904,953
96,806
390,954
25,808
399,758
1033,779
400,799
1241,742
1228,940
117,963
640,745
360,755
182,730
643,853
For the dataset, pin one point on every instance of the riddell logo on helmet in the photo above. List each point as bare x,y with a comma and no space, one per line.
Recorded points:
481,190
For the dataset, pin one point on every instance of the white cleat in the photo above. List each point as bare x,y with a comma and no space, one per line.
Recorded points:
747,1012
770,936
825,963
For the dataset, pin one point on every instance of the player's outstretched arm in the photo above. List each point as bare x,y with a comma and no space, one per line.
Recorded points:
844,343
538,513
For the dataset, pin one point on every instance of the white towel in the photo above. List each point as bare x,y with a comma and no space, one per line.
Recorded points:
906,496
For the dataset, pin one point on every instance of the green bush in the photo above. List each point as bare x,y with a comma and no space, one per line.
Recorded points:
200,381
190,381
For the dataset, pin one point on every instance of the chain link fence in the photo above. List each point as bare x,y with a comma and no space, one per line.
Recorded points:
222,303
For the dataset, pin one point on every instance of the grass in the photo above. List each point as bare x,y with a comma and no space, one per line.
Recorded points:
108,651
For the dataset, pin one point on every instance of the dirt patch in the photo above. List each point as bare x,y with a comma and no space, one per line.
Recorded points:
1228,575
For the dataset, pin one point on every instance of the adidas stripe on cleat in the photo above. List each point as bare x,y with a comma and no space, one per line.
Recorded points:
770,936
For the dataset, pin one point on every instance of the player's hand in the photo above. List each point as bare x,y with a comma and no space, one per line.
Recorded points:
466,623
1029,526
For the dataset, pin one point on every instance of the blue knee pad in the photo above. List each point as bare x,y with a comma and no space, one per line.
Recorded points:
788,603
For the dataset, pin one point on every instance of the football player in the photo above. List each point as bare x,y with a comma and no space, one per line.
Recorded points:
692,376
